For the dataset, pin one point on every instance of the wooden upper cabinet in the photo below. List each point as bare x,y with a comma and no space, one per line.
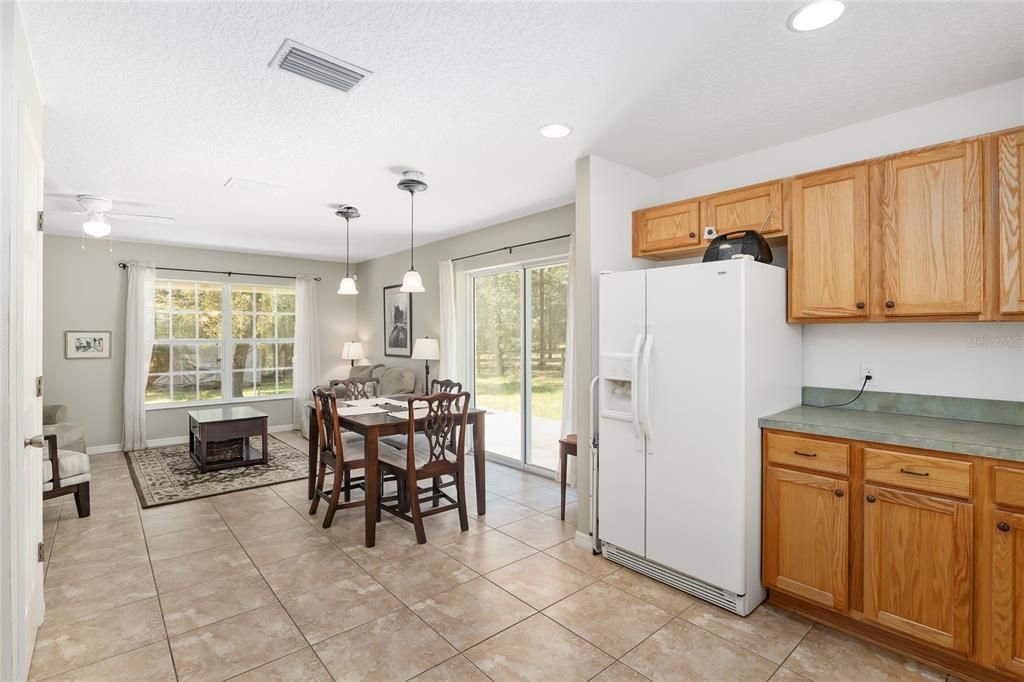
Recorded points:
1008,592
918,566
1010,269
931,231
666,228
829,244
745,209
806,539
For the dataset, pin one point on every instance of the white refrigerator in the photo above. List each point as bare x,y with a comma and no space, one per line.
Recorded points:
690,357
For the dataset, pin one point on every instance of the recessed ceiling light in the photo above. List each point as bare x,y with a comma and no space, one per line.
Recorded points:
815,15
554,130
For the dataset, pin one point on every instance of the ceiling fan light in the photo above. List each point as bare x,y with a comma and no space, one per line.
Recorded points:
96,227
412,283
347,287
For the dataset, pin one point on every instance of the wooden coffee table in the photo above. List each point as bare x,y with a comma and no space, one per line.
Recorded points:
218,427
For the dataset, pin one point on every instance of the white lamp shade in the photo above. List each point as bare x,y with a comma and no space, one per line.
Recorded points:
352,350
348,287
412,283
96,227
426,349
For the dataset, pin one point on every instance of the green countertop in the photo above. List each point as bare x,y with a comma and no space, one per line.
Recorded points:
1001,441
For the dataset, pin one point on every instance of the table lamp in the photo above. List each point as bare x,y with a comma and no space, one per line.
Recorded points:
352,350
426,349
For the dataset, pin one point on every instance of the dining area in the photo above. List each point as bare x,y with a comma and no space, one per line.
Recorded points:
405,456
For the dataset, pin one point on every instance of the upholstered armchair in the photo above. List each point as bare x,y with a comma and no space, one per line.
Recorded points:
66,472
55,423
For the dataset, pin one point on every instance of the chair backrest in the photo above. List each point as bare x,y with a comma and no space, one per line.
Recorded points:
444,423
355,388
445,386
326,405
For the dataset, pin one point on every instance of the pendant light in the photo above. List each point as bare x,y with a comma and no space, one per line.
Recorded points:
347,287
412,182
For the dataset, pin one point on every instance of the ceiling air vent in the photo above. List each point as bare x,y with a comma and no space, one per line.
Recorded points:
317,66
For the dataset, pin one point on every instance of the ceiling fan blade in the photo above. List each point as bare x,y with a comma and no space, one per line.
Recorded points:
142,218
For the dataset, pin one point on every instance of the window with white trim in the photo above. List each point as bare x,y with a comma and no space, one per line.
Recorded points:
214,341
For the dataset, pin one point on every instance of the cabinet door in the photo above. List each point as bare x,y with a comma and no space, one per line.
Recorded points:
1011,224
745,209
931,219
828,244
806,521
1008,591
666,228
917,566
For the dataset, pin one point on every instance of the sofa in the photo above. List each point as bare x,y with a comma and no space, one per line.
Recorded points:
393,380
55,423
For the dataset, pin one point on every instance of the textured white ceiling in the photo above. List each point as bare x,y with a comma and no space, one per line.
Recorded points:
159,103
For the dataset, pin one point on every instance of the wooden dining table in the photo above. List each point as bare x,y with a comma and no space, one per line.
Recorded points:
376,424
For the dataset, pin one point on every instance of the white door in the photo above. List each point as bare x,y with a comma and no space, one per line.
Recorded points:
621,484
693,369
26,343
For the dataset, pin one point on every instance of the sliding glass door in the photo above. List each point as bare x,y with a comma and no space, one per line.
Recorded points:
518,325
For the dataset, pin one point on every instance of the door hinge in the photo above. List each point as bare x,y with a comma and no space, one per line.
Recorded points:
39,221
42,553
39,387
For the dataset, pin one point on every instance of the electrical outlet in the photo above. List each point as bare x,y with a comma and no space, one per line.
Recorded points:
868,368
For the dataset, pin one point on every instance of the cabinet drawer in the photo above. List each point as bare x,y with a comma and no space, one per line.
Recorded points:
1009,487
918,472
808,453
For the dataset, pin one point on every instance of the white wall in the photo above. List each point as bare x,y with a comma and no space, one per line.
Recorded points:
927,358
86,290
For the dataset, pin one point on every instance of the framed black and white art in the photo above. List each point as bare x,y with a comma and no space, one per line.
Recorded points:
397,322
87,345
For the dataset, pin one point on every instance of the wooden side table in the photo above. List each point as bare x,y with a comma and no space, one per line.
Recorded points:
226,424
566,447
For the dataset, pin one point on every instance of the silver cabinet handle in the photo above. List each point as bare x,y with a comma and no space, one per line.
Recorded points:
34,442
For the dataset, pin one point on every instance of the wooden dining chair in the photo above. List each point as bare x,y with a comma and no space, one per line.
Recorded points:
355,388
332,454
443,418
445,386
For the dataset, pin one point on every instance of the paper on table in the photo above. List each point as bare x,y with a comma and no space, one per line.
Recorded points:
365,402
404,414
358,409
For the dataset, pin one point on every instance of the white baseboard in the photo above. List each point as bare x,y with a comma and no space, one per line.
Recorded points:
173,440
583,540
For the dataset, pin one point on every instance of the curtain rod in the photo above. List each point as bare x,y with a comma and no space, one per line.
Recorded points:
514,246
229,273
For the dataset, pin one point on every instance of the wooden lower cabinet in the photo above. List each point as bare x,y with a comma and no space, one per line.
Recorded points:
919,552
918,566
805,525
1008,591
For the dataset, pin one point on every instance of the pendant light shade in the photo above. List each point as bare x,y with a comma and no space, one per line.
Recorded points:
412,182
347,286
412,283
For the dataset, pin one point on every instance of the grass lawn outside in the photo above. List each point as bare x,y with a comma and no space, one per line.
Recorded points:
502,394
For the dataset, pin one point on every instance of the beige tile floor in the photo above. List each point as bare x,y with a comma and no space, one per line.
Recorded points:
248,586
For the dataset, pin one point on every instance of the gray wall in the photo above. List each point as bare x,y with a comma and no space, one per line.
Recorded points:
378,273
85,290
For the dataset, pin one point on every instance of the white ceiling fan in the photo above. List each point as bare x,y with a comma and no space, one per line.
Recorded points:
99,212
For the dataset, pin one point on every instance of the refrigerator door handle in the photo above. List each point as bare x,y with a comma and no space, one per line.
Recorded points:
634,388
646,411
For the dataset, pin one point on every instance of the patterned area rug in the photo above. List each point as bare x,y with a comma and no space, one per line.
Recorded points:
167,475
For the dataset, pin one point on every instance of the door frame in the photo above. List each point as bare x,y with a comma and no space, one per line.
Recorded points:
526,360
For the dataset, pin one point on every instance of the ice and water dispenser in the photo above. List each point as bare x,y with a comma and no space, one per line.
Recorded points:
617,386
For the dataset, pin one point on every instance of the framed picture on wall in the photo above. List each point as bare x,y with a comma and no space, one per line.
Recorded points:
397,323
87,345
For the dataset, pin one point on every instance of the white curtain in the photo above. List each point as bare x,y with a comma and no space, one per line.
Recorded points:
447,368
569,370
138,347
307,349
